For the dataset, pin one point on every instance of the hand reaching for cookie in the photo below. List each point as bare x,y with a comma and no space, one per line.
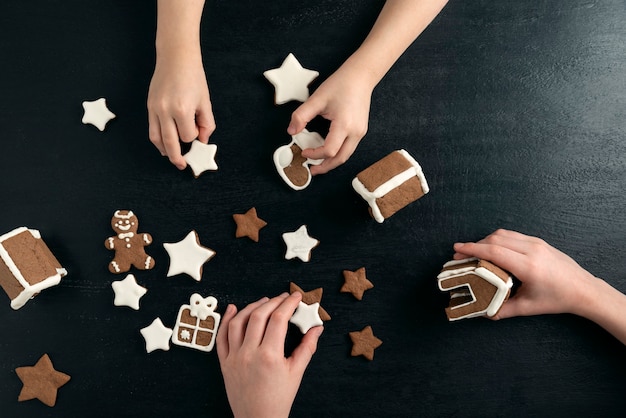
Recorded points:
260,381
552,282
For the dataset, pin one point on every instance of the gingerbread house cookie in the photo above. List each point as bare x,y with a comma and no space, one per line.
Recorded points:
292,167
477,288
27,266
390,184
197,323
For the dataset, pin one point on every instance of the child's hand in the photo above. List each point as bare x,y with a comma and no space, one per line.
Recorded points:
259,380
552,282
179,106
344,99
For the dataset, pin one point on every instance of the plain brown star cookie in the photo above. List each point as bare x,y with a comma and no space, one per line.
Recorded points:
41,381
356,283
364,343
249,225
311,297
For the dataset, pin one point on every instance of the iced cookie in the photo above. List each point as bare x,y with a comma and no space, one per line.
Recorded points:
390,184
157,336
201,157
128,244
299,244
477,288
197,323
291,81
97,113
41,381
306,316
27,266
310,297
188,256
292,167
128,292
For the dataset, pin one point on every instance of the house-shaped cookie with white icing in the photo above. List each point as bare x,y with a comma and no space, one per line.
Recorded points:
477,288
27,266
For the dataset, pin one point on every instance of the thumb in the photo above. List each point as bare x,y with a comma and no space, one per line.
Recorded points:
303,115
303,353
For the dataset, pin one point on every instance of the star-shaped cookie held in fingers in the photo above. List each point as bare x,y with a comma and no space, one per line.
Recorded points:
356,283
201,157
291,80
41,381
364,343
248,225
306,317
311,297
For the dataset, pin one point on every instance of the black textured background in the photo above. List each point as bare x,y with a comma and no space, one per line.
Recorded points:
515,109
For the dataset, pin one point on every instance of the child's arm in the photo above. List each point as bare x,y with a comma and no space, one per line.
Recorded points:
179,106
552,282
344,98
260,381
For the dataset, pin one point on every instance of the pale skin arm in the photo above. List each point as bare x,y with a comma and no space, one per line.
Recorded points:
260,381
344,98
552,282
179,105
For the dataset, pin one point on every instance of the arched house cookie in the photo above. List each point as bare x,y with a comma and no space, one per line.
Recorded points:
292,167
477,288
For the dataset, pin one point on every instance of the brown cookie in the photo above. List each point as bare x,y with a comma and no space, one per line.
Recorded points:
364,343
356,283
296,171
249,225
310,298
41,381
128,244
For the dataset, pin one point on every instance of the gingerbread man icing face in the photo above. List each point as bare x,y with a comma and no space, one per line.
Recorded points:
128,244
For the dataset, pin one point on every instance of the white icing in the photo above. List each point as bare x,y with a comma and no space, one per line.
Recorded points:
146,239
128,292
121,226
118,214
187,256
111,243
157,336
200,308
291,81
201,157
115,266
306,316
97,113
126,236
299,244
29,290
283,156
394,182
147,264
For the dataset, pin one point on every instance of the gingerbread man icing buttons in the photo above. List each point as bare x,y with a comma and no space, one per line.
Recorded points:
128,244
197,323
292,167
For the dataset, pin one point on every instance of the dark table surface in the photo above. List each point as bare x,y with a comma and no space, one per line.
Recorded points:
516,111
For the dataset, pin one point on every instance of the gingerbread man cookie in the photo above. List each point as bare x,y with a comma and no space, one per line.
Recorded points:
128,244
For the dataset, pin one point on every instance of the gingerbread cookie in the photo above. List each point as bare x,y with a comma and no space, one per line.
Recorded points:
197,323
41,381
299,244
356,282
477,288
201,157
188,256
157,336
128,244
97,113
310,297
390,184
306,316
292,167
26,265
291,81
364,343
248,225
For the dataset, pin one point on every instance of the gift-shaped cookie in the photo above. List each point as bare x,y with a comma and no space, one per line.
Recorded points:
390,184
291,165
197,323
27,266
477,288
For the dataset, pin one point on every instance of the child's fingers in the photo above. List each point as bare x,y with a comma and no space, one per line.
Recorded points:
186,127
335,139
259,319
341,157
303,353
169,134
221,341
237,326
303,115
504,257
205,122
279,322
154,132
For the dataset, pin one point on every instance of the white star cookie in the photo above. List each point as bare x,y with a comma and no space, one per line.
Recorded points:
201,157
128,292
299,244
306,316
157,336
97,113
188,256
291,80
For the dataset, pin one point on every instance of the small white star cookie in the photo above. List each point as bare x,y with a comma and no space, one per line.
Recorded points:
188,256
97,113
291,80
201,157
128,292
299,244
157,336
306,316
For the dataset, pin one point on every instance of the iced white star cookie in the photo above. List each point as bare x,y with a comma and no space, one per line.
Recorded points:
97,113
157,336
291,80
128,292
201,157
306,316
299,244
188,256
